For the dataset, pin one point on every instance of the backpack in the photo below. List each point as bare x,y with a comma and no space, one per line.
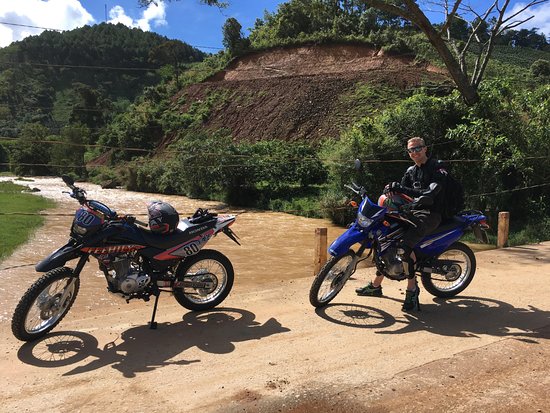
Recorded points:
453,199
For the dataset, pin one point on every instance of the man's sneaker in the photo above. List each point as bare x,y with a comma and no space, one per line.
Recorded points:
411,300
370,290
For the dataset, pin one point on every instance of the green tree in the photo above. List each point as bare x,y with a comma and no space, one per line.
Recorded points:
233,38
494,20
541,68
67,154
4,158
175,53
31,154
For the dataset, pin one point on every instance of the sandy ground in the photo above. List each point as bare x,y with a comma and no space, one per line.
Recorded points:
267,350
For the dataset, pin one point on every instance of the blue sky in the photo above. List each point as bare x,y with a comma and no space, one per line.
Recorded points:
186,20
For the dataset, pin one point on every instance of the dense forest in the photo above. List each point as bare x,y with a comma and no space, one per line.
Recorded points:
108,98
69,86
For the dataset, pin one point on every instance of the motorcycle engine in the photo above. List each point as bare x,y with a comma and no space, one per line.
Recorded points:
125,275
393,263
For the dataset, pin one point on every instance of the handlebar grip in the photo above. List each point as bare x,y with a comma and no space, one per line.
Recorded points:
143,224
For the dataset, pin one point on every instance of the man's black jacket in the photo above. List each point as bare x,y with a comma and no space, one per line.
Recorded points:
417,180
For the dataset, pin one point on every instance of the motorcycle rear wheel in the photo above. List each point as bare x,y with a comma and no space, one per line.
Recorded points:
331,279
208,266
460,273
43,307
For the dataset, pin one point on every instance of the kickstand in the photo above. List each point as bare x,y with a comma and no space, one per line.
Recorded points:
153,323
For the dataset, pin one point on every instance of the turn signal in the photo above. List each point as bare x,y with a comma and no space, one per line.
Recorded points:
353,204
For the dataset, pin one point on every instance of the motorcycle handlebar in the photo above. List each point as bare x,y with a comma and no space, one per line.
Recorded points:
133,220
359,190
143,224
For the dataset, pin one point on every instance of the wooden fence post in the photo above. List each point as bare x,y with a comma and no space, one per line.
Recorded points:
503,229
320,249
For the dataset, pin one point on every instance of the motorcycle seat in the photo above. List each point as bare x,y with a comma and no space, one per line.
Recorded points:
448,224
165,241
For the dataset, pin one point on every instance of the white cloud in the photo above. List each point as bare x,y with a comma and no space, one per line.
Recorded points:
52,14
155,14
540,20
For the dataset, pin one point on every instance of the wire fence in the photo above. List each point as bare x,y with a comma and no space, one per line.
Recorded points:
319,211
250,156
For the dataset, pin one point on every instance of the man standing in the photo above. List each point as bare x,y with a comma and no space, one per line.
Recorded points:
425,178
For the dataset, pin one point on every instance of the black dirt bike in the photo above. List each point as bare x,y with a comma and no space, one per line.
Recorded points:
137,263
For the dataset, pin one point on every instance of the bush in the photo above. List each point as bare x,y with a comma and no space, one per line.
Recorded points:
367,142
425,116
540,68
334,205
4,159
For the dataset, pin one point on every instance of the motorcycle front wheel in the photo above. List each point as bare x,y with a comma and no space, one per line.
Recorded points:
331,279
207,279
455,269
45,304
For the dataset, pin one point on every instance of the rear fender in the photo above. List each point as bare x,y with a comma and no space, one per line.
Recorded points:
478,224
58,258
224,221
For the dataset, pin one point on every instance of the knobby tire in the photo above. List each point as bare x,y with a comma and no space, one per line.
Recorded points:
325,272
18,324
182,297
433,289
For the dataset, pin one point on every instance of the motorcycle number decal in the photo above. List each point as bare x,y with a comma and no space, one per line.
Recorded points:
193,246
187,249
86,218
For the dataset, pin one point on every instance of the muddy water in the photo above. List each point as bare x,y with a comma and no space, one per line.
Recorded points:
275,246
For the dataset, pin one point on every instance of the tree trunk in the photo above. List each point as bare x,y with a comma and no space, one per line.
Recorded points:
468,91
417,17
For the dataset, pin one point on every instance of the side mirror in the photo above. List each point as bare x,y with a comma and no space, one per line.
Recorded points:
68,180
357,165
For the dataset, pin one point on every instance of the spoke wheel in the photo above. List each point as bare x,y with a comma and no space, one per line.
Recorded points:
45,304
213,275
457,267
331,279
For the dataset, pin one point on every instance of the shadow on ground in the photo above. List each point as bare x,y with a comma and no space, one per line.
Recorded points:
140,349
458,317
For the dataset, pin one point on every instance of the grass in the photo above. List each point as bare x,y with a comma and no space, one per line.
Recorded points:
16,229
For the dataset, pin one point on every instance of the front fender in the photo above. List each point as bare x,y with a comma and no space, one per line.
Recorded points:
58,258
343,243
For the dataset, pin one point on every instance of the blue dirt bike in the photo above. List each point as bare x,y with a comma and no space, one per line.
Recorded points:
445,265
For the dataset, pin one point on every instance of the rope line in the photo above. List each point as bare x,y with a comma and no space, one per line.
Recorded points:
15,266
130,149
285,211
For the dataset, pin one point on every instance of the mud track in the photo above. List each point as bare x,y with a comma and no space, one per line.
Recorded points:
267,350
303,93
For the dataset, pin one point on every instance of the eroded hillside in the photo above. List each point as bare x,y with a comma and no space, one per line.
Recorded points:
307,92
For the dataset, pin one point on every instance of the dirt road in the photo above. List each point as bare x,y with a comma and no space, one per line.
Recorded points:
268,350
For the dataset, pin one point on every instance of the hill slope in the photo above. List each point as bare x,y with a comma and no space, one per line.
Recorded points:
306,92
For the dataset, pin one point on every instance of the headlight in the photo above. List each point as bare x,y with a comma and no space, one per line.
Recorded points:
77,229
363,220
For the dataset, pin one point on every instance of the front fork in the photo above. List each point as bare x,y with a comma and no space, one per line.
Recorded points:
81,262
357,257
